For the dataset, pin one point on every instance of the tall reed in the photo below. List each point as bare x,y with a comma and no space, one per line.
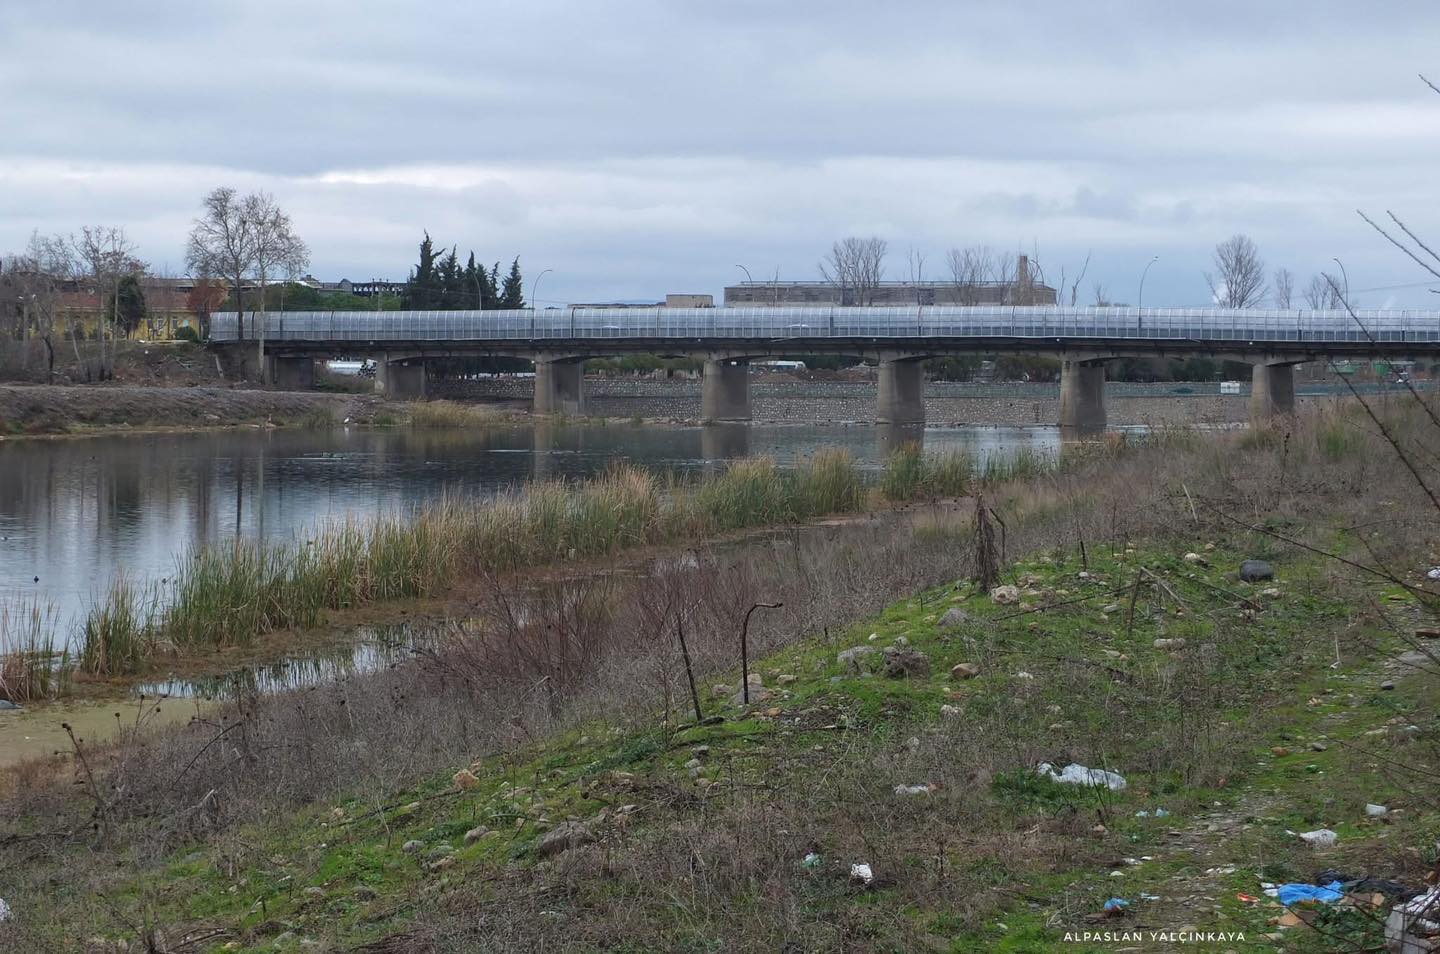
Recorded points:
30,666
116,636
911,474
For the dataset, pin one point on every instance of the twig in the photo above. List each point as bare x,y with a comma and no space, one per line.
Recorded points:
689,671
1161,583
1049,606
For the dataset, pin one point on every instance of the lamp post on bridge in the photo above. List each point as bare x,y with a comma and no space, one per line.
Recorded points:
534,286
1140,299
1344,275
748,279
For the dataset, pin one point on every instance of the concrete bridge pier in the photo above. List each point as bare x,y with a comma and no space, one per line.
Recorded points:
1082,396
1272,391
725,391
290,374
400,379
559,385
902,391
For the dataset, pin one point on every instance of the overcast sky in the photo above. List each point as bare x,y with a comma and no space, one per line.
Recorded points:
642,147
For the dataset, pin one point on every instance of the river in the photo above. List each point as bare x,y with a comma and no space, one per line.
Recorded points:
75,513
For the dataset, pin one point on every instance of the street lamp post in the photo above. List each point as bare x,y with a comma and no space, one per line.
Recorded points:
534,286
1140,298
1344,275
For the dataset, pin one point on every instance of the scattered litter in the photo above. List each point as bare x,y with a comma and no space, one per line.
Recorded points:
1222,870
1077,774
1158,813
1433,573
949,711
1116,905
924,789
1376,811
1244,898
1192,558
1288,894
1412,926
862,874
811,860
1023,675
1319,838
1149,897
4,910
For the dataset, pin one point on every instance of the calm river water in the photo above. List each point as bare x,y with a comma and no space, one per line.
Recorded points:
75,513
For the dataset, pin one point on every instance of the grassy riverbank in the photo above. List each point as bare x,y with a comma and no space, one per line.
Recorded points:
53,411
541,781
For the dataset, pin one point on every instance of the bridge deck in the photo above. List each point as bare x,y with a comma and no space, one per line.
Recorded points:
828,328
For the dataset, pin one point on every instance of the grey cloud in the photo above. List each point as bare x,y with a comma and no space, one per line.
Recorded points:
642,145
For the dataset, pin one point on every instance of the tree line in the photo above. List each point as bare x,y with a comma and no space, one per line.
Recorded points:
1238,278
441,283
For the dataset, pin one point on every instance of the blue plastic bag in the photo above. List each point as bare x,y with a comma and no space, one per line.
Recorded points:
1288,894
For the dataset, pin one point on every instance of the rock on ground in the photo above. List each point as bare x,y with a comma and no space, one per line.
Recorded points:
1253,571
902,662
563,837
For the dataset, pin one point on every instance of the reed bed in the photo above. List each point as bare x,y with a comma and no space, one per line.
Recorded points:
911,474
116,638
227,595
438,414
31,668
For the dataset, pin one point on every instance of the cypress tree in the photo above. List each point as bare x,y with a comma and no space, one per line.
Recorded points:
422,287
474,277
512,293
128,304
492,286
452,292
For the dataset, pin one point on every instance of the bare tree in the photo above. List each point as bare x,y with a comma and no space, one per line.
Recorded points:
107,256
36,279
1102,300
972,268
857,266
1239,277
1322,294
1075,285
1284,283
916,259
222,245
277,251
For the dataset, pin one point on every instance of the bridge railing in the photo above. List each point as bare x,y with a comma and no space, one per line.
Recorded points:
790,324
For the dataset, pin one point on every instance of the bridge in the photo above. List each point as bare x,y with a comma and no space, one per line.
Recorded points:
898,338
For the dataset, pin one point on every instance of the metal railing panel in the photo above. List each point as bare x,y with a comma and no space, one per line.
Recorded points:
897,323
